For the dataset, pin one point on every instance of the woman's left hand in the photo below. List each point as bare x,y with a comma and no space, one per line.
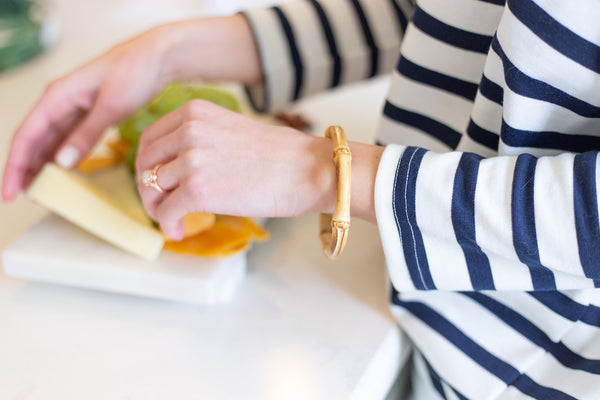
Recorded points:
214,160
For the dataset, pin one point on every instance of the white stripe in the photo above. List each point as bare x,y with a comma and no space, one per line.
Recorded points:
579,16
349,39
535,115
553,324
549,372
487,114
538,60
441,57
440,105
449,393
454,366
467,144
494,69
583,339
315,56
433,200
422,385
386,31
275,59
392,131
512,393
483,327
505,149
469,15
554,214
493,224
390,238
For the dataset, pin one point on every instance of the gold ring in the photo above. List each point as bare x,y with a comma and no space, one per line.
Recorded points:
149,178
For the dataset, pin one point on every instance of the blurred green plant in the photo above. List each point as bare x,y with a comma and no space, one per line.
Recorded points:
20,32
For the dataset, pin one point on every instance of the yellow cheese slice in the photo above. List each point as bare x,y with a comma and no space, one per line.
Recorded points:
113,212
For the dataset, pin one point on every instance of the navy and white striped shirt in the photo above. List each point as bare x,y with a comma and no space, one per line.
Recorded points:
486,194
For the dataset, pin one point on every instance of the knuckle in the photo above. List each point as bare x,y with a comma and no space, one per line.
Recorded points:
189,131
196,107
193,190
192,160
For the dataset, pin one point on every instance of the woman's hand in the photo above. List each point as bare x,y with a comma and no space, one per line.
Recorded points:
214,160
76,109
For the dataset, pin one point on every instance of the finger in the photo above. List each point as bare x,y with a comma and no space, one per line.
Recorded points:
172,174
150,199
86,134
161,151
168,178
46,149
171,210
193,110
163,126
50,118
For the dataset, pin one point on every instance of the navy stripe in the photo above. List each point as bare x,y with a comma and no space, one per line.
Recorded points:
523,222
330,38
497,2
459,395
418,73
528,386
556,35
548,140
591,316
526,86
491,90
247,89
402,20
406,218
568,308
450,34
434,128
586,212
519,323
370,41
463,221
294,53
435,379
483,136
504,371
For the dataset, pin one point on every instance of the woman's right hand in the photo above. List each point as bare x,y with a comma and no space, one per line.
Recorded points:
76,109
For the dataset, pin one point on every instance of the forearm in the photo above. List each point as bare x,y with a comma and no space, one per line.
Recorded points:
220,48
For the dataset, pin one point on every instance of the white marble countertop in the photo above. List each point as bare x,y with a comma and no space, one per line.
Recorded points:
299,327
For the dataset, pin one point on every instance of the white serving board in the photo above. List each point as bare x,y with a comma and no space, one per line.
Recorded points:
57,251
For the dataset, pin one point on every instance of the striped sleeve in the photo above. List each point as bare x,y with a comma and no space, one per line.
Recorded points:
308,46
457,221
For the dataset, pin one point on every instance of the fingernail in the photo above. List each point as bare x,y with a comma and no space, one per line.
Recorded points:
67,157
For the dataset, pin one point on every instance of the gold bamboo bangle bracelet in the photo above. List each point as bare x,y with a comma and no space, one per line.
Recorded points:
334,228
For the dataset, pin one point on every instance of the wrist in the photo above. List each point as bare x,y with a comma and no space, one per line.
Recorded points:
365,162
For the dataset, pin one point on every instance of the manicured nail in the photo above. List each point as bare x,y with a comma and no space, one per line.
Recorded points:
67,157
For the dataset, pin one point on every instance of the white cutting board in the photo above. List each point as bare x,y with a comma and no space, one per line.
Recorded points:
57,251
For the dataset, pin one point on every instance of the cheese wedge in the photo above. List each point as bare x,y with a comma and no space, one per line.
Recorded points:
113,213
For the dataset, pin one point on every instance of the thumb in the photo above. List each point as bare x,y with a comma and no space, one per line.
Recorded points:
85,135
